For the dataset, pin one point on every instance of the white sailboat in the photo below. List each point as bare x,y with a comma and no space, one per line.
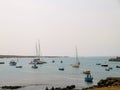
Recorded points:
77,64
37,60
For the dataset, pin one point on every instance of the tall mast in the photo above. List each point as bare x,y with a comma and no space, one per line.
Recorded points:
36,50
39,48
76,55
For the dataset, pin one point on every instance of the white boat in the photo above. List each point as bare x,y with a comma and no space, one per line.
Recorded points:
107,69
12,63
104,65
77,64
37,60
86,72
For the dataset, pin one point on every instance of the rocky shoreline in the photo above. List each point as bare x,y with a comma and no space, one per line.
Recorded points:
108,82
117,59
11,87
71,87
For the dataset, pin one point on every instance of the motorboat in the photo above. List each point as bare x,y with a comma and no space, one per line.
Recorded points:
104,64
89,78
34,66
117,66
53,61
110,68
86,72
107,69
98,63
61,61
2,62
61,69
12,63
18,66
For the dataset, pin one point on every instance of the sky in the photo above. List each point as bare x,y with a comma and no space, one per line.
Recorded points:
60,25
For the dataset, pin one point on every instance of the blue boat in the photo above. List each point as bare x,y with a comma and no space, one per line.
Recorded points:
89,78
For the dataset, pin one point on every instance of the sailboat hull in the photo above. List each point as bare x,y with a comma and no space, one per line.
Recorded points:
37,62
75,65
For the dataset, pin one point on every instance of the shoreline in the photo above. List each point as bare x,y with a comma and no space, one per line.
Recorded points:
117,59
112,83
107,88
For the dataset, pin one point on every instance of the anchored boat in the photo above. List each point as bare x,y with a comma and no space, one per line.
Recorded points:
77,64
89,78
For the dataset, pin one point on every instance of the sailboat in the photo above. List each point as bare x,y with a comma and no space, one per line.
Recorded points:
77,64
37,60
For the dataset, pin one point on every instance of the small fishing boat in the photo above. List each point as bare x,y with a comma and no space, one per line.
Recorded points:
86,72
18,66
12,63
61,69
34,66
110,68
117,66
61,61
2,62
89,78
98,63
107,69
104,65
53,61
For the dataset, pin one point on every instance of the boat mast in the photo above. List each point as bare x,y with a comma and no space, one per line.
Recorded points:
36,50
76,56
39,48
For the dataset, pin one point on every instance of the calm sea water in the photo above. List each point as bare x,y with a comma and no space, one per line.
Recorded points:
49,75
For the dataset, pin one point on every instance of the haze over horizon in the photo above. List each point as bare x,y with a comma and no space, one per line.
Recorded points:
60,25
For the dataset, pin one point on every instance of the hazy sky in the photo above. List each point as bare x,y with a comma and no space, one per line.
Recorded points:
60,25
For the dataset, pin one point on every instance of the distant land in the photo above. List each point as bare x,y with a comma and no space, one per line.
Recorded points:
22,56
117,59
